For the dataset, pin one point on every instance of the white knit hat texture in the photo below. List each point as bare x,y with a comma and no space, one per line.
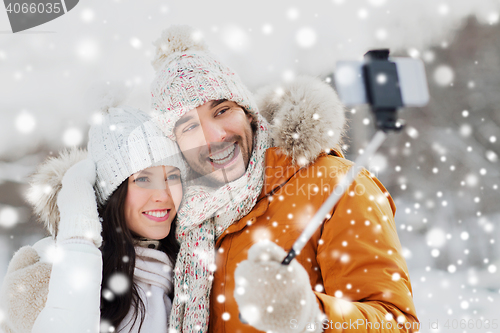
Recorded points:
188,76
127,140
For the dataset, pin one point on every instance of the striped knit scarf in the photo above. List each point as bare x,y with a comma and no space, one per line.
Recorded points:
204,216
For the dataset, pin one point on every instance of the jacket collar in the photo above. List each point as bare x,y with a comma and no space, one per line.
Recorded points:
279,169
306,119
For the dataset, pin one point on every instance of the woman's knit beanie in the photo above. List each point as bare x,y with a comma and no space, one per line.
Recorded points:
124,141
188,76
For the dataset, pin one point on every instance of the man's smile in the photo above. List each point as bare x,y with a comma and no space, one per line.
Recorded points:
224,157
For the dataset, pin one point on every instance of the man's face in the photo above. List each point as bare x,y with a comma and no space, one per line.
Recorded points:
217,140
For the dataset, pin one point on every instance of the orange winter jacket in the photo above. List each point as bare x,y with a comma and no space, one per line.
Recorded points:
354,260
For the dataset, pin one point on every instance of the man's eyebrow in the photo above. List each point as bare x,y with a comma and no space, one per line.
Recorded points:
183,120
174,171
188,118
217,102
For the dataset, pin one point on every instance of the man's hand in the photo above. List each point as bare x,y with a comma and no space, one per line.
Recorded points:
274,297
77,204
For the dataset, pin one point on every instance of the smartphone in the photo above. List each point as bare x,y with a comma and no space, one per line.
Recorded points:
351,84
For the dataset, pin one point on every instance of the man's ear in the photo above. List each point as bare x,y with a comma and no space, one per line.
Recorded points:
249,117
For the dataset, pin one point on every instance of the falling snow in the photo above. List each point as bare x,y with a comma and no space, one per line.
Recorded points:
87,49
8,217
306,37
441,171
236,38
293,14
72,137
106,327
267,29
444,75
87,15
25,122
136,43
118,283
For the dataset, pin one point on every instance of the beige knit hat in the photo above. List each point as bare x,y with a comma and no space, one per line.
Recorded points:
188,75
124,142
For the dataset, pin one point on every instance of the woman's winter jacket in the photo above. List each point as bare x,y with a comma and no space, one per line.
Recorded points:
72,270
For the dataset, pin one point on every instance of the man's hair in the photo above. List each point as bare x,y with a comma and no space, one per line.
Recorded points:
253,123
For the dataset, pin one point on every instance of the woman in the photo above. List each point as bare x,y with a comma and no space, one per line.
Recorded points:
122,280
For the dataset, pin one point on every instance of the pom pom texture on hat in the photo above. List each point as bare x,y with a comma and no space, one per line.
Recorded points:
101,96
178,38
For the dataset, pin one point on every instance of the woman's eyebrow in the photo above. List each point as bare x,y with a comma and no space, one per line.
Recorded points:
183,120
143,172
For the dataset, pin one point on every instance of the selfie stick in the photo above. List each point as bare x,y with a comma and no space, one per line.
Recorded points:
384,100
338,192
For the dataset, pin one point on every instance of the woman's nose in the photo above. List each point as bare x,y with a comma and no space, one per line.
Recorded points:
162,195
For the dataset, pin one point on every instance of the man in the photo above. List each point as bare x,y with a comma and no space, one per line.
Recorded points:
255,182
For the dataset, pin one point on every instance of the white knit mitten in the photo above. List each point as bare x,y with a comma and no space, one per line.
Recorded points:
274,297
77,204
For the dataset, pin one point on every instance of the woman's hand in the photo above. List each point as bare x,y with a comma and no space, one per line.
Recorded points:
77,204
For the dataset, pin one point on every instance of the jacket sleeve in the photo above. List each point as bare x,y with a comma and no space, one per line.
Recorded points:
366,282
24,290
73,301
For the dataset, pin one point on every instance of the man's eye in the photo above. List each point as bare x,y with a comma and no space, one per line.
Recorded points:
221,111
141,179
173,177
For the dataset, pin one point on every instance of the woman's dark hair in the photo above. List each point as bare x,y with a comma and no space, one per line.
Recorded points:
118,256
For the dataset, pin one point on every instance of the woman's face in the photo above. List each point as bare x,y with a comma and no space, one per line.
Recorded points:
153,197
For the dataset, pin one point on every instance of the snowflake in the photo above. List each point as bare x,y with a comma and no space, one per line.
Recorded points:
306,37
72,137
444,75
119,283
9,217
25,122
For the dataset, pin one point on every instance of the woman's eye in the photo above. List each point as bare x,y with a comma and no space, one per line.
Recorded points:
188,128
141,179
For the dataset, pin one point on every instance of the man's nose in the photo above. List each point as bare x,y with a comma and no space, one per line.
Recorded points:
213,131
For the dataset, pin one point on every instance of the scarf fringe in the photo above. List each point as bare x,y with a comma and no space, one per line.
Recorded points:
205,215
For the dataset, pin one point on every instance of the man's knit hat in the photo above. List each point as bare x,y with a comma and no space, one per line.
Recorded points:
188,76
125,141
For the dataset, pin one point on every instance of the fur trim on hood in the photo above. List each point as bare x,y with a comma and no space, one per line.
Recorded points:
306,118
46,183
